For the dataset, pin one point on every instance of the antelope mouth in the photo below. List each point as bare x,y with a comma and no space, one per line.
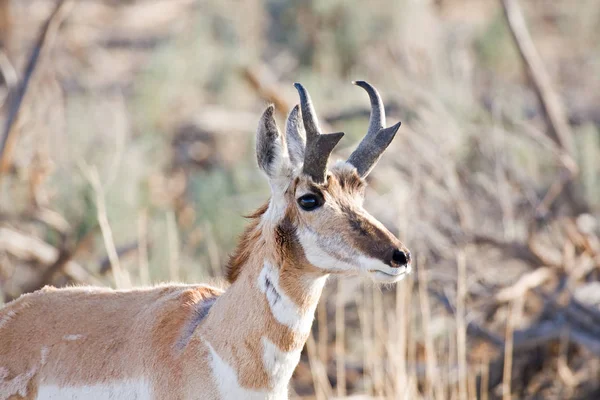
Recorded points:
390,275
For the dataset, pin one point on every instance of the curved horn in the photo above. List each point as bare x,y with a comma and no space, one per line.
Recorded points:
318,146
377,118
377,138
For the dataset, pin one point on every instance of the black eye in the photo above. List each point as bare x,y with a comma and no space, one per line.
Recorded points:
309,202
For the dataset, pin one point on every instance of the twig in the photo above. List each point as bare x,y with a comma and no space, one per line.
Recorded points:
509,248
461,330
173,240
8,73
322,387
530,280
484,386
64,256
262,81
122,252
43,44
553,192
92,176
143,247
513,320
559,131
433,385
55,260
392,107
340,349
472,328
556,117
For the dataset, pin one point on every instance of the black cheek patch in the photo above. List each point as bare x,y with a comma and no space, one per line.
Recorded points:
285,233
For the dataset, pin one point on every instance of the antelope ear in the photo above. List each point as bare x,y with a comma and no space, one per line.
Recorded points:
271,153
295,137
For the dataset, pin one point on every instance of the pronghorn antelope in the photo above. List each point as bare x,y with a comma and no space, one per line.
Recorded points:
199,342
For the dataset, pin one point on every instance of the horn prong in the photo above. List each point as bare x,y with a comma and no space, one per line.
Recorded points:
318,146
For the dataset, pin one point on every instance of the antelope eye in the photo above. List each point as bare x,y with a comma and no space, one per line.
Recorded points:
309,202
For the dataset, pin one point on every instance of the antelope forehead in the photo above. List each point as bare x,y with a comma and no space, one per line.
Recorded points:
347,176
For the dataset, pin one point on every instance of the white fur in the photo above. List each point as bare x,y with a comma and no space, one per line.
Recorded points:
123,390
369,264
227,382
280,365
284,309
277,204
316,253
314,249
71,338
279,181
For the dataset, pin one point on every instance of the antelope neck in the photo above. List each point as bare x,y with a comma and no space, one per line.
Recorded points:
260,324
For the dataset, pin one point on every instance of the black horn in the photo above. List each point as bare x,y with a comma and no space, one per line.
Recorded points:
318,145
377,138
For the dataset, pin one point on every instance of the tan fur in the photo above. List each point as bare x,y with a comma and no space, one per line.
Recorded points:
244,268
145,324
165,335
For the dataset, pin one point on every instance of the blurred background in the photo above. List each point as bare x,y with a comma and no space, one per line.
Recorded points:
127,158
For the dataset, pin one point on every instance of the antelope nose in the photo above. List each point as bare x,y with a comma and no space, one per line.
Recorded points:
401,257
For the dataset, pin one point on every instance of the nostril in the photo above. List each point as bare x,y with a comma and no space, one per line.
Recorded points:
401,257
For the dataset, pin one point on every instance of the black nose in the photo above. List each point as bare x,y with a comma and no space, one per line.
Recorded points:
401,257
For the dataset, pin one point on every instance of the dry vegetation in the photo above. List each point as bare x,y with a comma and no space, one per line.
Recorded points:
127,158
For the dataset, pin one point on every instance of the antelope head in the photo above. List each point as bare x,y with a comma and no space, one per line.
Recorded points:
318,212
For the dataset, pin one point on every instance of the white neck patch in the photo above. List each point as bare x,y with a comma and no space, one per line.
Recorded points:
227,381
279,365
285,311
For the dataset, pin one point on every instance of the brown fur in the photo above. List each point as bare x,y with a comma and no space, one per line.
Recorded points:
244,249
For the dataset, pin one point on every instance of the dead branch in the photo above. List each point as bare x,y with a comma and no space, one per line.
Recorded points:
559,129
392,107
56,260
122,252
45,216
43,43
5,24
510,249
554,112
261,79
27,247
45,278
473,329
524,284
9,75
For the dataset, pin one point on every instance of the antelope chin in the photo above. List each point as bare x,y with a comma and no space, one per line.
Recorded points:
390,275
380,272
